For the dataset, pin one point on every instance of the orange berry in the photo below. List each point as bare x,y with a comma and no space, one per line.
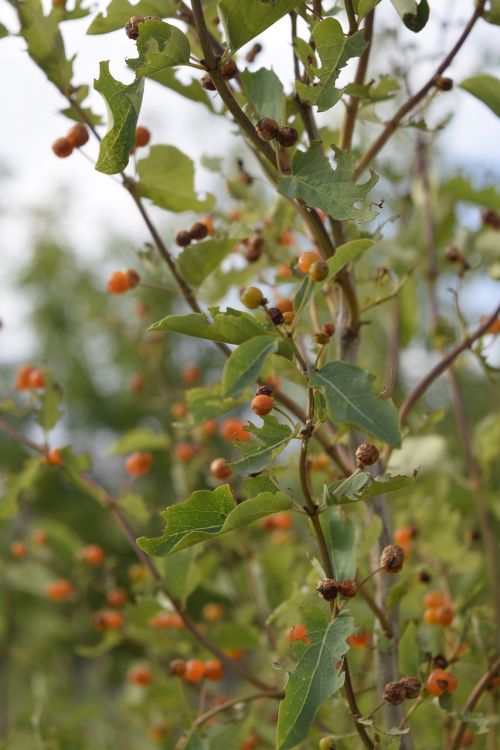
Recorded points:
359,640
251,742
178,410
284,271
430,616
262,405
138,464
467,738
209,223
433,599
297,633
39,537
282,521
159,732
177,667
190,374
214,670
320,463
107,619
494,328
22,382
60,590
212,612
62,147
287,239
54,457
37,378
219,469
283,304
318,271
233,429
440,682
140,676
116,597
306,260
289,317
166,620
184,452
195,670
18,549
209,428
91,554
403,535
445,614
78,135
118,282
235,653
142,136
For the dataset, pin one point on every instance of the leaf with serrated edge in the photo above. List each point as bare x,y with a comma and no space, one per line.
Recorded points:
265,90
242,20
246,362
273,436
230,327
160,46
314,679
351,400
118,13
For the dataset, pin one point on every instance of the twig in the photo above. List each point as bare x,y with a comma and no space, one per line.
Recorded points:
471,703
352,106
412,102
351,16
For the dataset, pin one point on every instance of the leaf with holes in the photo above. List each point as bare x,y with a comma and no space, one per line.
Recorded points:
273,436
161,46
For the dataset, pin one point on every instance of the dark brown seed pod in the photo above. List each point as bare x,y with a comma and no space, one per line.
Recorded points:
183,238
490,218
276,316
348,588
207,83
177,667
440,661
198,231
392,558
424,576
322,338
412,686
133,278
366,454
267,128
453,255
252,253
443,84
394,693
328,589
253,52
264,390
287,136
132,26
329,329
228,70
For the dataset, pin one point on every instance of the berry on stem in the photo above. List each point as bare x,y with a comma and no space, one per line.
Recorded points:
198,231
194,670
62,147
366,454
233,429
60,590
219,469
142,136
183,238
307,259
328,589
37,378
214,670
22,381
140,676
138,464
18,549
297,633
92,554
118,282
287,136
252,297
267,128
262,404
440,682
394,693
116,597
184,452
107,619
318,270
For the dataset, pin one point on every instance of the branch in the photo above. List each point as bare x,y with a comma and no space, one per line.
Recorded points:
412,102
351,16
470,704
443,365
353,101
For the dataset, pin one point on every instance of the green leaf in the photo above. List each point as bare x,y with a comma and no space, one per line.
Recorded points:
345,254
314,679
265,90
486,89
415,13
191,90
75,113
108,642
118,13
199,260
314,181
374,92
139,439
207,514
208,402
160,46
16,484
408,652
363,487
135,507
493,14
49,412
45,43
461,190
334,50
242,20
3,31
272,436
123,103
351,400
365,6
182,574
340,537
246,362
230,327
166,176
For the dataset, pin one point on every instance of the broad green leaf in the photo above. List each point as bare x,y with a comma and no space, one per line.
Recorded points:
363,487
314,679
242,20
160,46
273,436
49,412
414,13
16,484
486,89
199,260
340,539
304,293
191,90
351,400
334,50
246,362
195,742
123,103
118,13
166,176
384,89
345,254
232,635
45,43
230,327
461,190
408,652
208,513
265,90
182,574
365,6
493,14
139,439
3,31
208,402
314,181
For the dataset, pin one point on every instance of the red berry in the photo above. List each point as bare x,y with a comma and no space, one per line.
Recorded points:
214,670
116,597
62,147
60,590
184,452
195,670
138,464
297,633
140,676
18,549
233,429
92,554
22,382
78,135
37,378
142,136
118,282
262,405
440,682
306,260
219,469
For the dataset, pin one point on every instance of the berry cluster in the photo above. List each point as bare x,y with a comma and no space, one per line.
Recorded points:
438,610
269,130
198,231
228,70
29,378
76,137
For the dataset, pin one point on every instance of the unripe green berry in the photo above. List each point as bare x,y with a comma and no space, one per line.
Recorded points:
319,270
252,297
